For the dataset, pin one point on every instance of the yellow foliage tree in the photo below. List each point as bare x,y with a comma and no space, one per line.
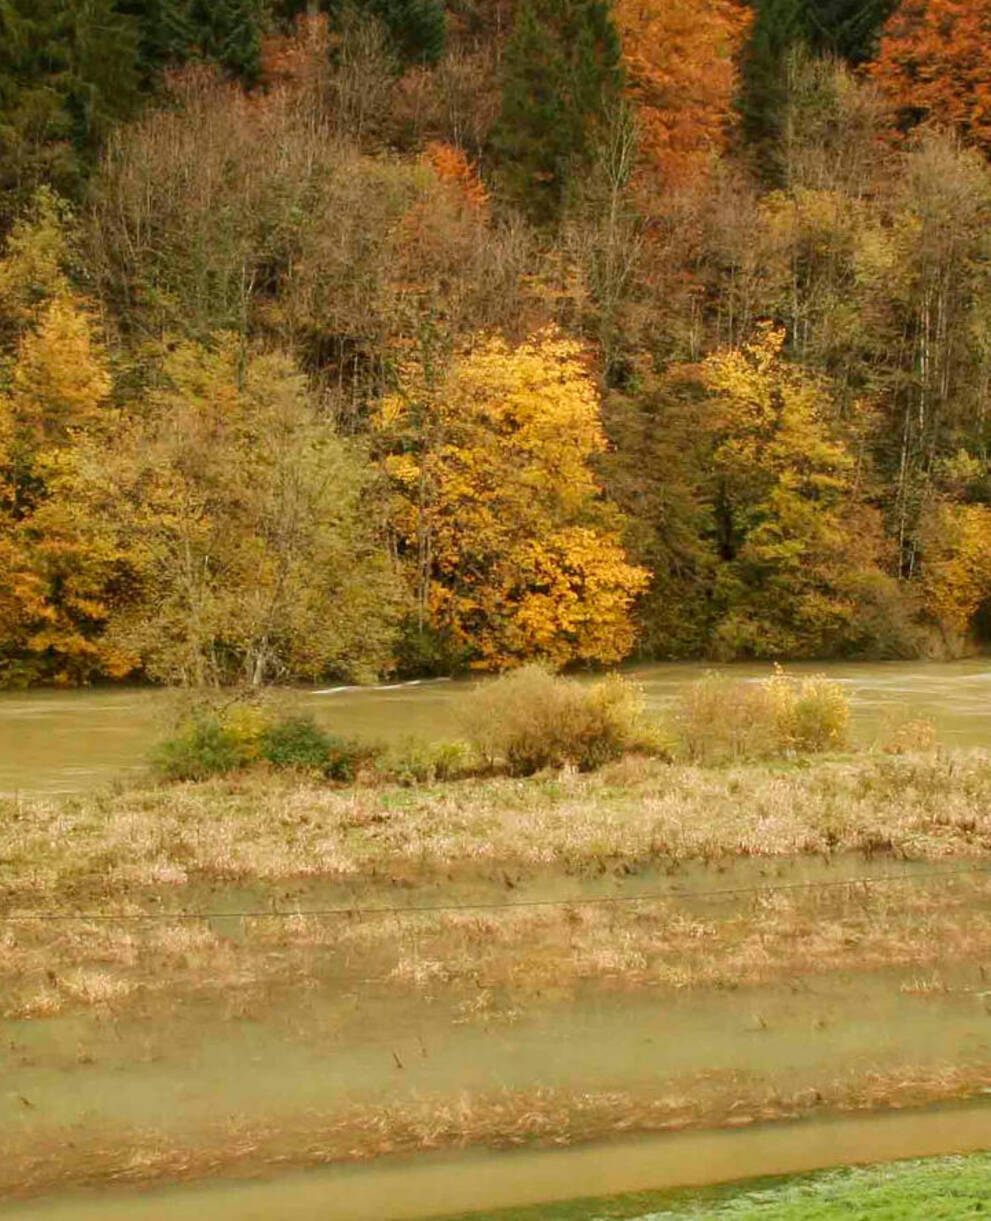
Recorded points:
956,546
513,551
798,568
244,516
58,557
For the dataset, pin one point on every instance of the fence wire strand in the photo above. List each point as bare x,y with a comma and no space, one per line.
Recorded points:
357,912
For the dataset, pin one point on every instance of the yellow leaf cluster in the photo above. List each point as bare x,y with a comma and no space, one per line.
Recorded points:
956,541
58,557
498,511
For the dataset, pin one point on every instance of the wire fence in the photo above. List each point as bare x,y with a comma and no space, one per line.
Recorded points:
355,911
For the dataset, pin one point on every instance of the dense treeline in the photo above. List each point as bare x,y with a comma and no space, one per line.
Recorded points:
394,335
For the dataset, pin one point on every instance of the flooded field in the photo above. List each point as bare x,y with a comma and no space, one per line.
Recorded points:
152,1049
440,1185
55,741
264,996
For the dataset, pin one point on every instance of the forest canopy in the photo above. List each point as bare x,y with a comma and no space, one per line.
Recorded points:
376,336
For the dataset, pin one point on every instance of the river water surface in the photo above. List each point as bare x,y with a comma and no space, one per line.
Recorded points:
64,741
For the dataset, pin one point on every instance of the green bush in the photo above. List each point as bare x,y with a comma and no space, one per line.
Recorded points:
218,742
720,719
531,719
296,741
204,747
415,761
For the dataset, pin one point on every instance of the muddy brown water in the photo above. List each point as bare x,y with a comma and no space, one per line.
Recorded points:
59,741
292,1052
434,1185
171,1071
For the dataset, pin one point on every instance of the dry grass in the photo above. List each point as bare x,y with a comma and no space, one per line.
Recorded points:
266,829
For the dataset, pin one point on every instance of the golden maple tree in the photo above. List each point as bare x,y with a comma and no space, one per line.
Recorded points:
512,549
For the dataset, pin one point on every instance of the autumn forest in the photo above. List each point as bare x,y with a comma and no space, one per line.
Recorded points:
404,337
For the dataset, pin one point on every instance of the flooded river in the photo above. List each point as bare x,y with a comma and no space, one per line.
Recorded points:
64,741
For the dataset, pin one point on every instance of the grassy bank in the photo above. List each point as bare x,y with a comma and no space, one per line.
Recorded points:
941,1189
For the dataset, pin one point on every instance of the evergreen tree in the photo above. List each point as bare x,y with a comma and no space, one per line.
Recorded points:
67,70
228,32
165,32
847,29
225,32
415,27
562,77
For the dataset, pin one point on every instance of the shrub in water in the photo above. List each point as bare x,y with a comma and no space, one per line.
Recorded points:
346,758
296,741
299,742
904,734
212,743
205,747
721,718
815,715
415,761
531,719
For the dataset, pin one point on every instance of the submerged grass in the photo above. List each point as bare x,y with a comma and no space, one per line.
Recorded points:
500,1120
491,962
145,859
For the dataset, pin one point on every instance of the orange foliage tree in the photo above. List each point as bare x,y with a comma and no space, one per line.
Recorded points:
933,64
451,165
681,63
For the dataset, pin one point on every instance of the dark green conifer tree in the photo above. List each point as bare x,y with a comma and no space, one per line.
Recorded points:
846,29
562,77
415,27
166,34
228,32
67,70
224,32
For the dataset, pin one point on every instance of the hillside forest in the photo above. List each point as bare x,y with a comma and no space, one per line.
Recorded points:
402,337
